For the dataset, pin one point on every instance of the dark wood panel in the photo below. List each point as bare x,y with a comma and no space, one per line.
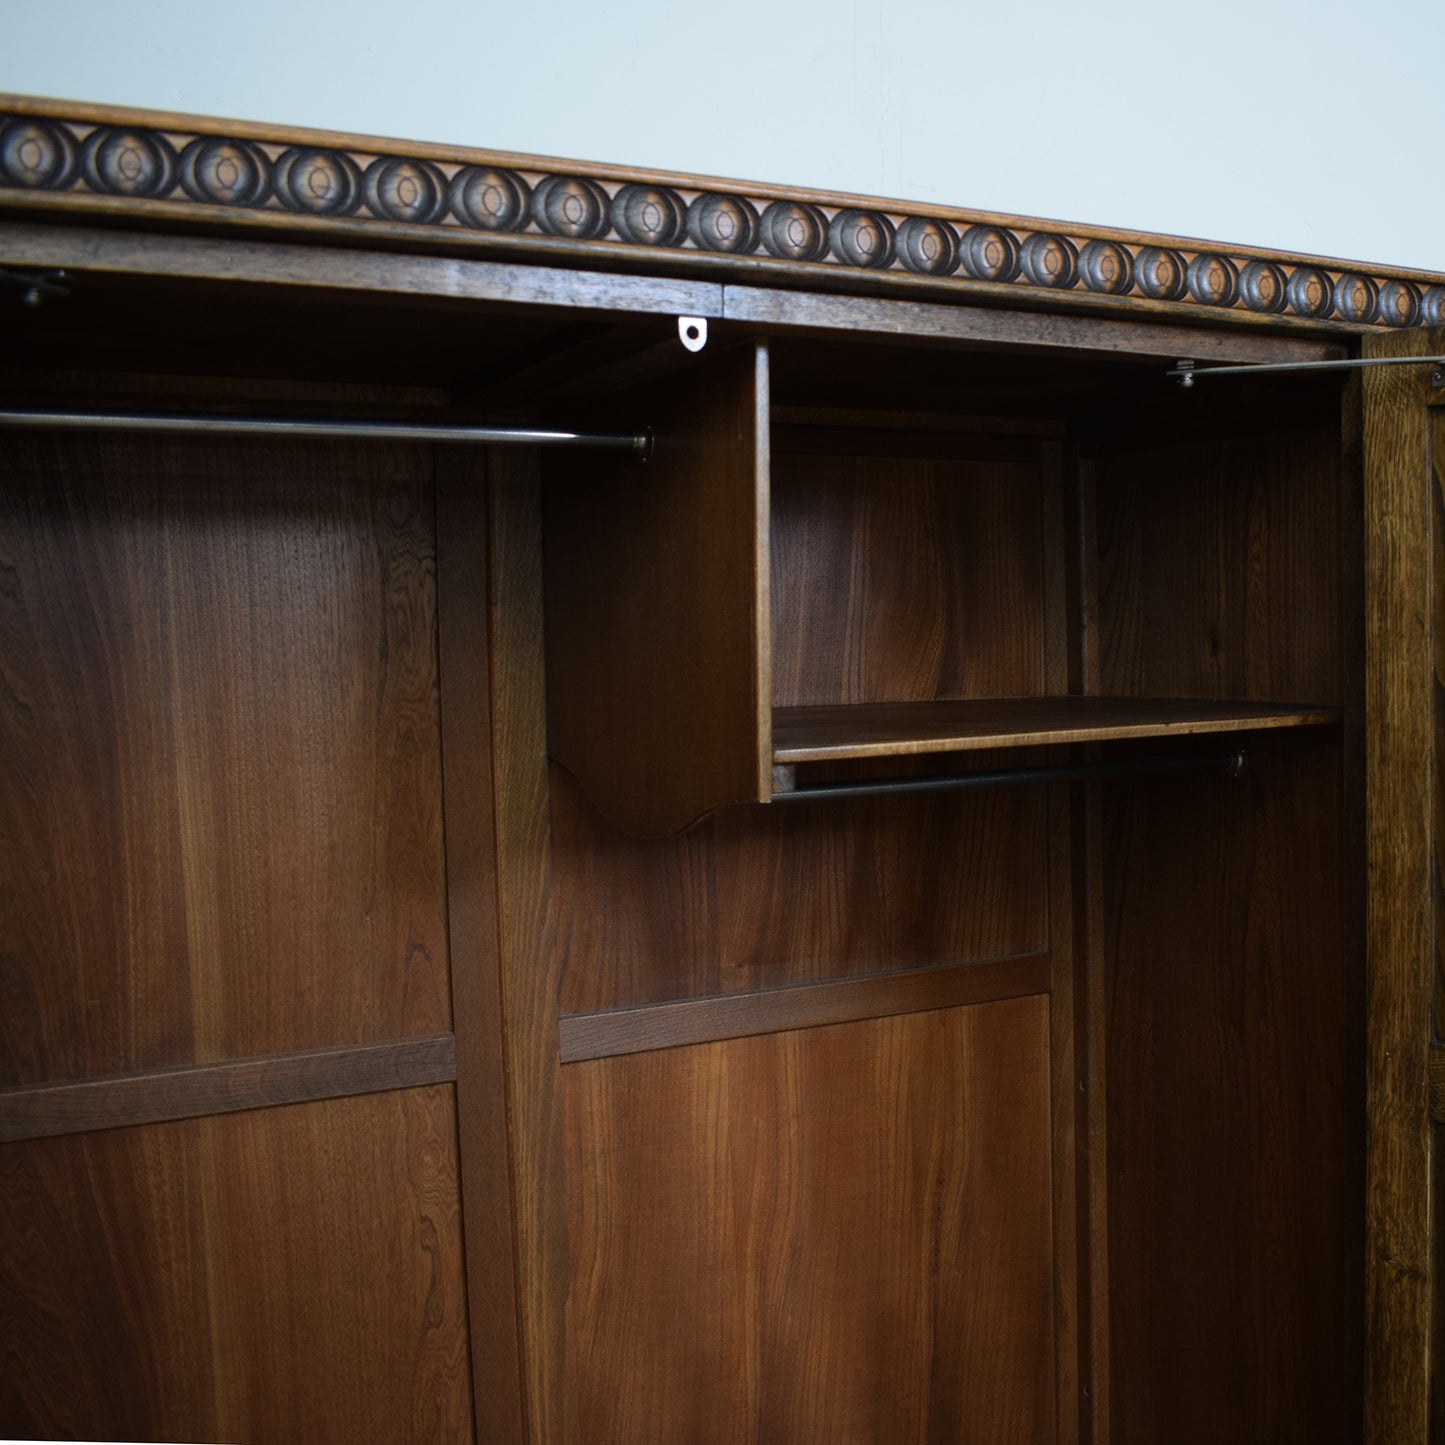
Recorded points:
485,1155
221,794
1402,792
808,1005
657,603
1219,569
293,1274
154,1096
906,579
878,730
1235,1106
529,954
766,896
841,1234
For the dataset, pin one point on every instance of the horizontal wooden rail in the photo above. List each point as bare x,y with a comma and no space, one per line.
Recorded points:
798,1006
189,1091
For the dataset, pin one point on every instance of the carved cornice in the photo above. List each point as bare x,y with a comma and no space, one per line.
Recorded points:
168,168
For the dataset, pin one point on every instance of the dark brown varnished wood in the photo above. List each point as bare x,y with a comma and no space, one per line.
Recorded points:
153,1096
530,962
169,171
764,897
657,603
902,577
879,730
483,1136
786,1238
1401,782
221,793
807,1005
286,1274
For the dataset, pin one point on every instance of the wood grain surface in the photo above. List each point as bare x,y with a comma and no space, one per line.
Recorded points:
905,578
1235,1106
1220,565
806,1005
762,897
877,730
153,1096
839,1235
657,603
1401,782
292,1274
219,720
464,654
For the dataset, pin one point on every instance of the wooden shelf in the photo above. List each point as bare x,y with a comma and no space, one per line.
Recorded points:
893,729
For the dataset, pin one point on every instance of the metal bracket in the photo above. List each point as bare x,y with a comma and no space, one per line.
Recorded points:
692,332
35,286
1188,372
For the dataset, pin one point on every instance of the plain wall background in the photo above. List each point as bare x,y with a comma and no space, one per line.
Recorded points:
1302,126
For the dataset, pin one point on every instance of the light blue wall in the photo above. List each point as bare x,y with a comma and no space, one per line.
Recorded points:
1305,126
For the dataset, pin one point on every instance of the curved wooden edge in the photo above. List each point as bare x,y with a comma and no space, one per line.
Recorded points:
157,1096
157,167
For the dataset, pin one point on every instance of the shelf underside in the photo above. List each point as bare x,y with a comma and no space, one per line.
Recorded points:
895,729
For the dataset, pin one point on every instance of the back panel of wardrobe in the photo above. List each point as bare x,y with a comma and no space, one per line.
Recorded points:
828,1212
1234,954
222,788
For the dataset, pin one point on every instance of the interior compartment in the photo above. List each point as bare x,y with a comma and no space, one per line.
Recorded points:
1136,1000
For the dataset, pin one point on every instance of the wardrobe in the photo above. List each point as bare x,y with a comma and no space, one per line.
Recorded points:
638,809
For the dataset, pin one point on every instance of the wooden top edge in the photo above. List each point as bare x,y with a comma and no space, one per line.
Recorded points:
822,734
358,184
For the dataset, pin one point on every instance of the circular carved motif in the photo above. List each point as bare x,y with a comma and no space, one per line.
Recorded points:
989,253
1432,306
1310,292
1261,286
1049,260
1356,297
489,199
649,215
862,238
37,155
225,172
123,162
795,231
723,223
1107,267
571,206
1160,273
319,182
1399,303
1212,279
397,189
928,247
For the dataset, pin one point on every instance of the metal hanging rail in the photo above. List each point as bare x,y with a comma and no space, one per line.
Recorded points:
1231,764
1187,372
639,443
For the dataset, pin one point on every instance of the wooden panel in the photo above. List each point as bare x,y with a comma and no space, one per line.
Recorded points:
806,1005
1235,1106
464,654
1220,571
906,579
293,1274
153,1096
879,730
840,1235
528,953
657,602
219,720
759,897
1401,787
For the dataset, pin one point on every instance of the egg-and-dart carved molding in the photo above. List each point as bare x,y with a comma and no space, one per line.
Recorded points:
52,154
